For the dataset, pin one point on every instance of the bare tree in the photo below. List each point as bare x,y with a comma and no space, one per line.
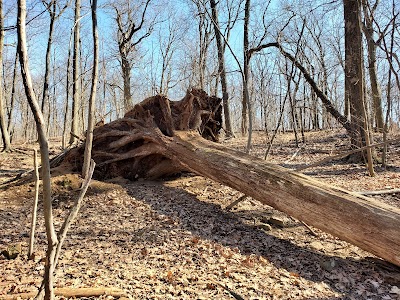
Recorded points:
3,125
368,29
92,100
354,77
127,29
204,30
246,62
221,68
76,95
12,97
44,150
51,7
167,51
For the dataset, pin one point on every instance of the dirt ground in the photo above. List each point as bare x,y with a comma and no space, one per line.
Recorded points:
175,239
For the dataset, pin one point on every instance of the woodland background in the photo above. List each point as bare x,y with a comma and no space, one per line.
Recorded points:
151,47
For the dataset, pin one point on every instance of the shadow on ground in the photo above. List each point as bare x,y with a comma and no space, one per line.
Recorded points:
210,221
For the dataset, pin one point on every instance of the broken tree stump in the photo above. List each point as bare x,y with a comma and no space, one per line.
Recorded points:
124,148
160,137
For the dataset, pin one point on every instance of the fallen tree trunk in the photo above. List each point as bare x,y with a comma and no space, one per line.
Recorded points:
361,221
151,142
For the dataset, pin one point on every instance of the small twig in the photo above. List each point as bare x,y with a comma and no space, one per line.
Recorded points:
309,229
294,155
241,198
76,136
306,226
233,294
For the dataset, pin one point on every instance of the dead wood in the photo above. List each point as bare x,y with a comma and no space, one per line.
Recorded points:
344,154
159,137
362,221
73,293
380,192
124,147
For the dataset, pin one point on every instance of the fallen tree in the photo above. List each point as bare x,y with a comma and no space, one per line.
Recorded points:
160,137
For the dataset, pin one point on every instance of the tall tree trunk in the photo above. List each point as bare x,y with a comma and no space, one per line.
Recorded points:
126,75
372,69
12,100
389,55
246,61
204,43
46,93
66,106
221,69
4,132
44,150
354,89
92,100
354,80
76,94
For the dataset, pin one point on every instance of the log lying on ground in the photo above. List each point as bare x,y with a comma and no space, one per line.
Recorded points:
152,141
361,221
72,293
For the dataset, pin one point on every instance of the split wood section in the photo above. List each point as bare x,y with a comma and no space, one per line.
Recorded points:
361,221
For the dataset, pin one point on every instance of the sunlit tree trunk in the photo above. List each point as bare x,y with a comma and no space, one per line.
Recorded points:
246,61
92,100
372,69
12,100
4,132
44,150
221,69
76,95
354,77
51,8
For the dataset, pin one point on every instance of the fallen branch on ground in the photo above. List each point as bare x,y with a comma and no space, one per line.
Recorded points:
72,293
380,192
327,159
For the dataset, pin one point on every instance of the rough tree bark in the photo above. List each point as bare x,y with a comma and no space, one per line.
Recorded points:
246,63
121,149
355,81
158,137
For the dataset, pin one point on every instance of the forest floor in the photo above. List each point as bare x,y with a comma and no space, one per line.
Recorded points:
175,239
